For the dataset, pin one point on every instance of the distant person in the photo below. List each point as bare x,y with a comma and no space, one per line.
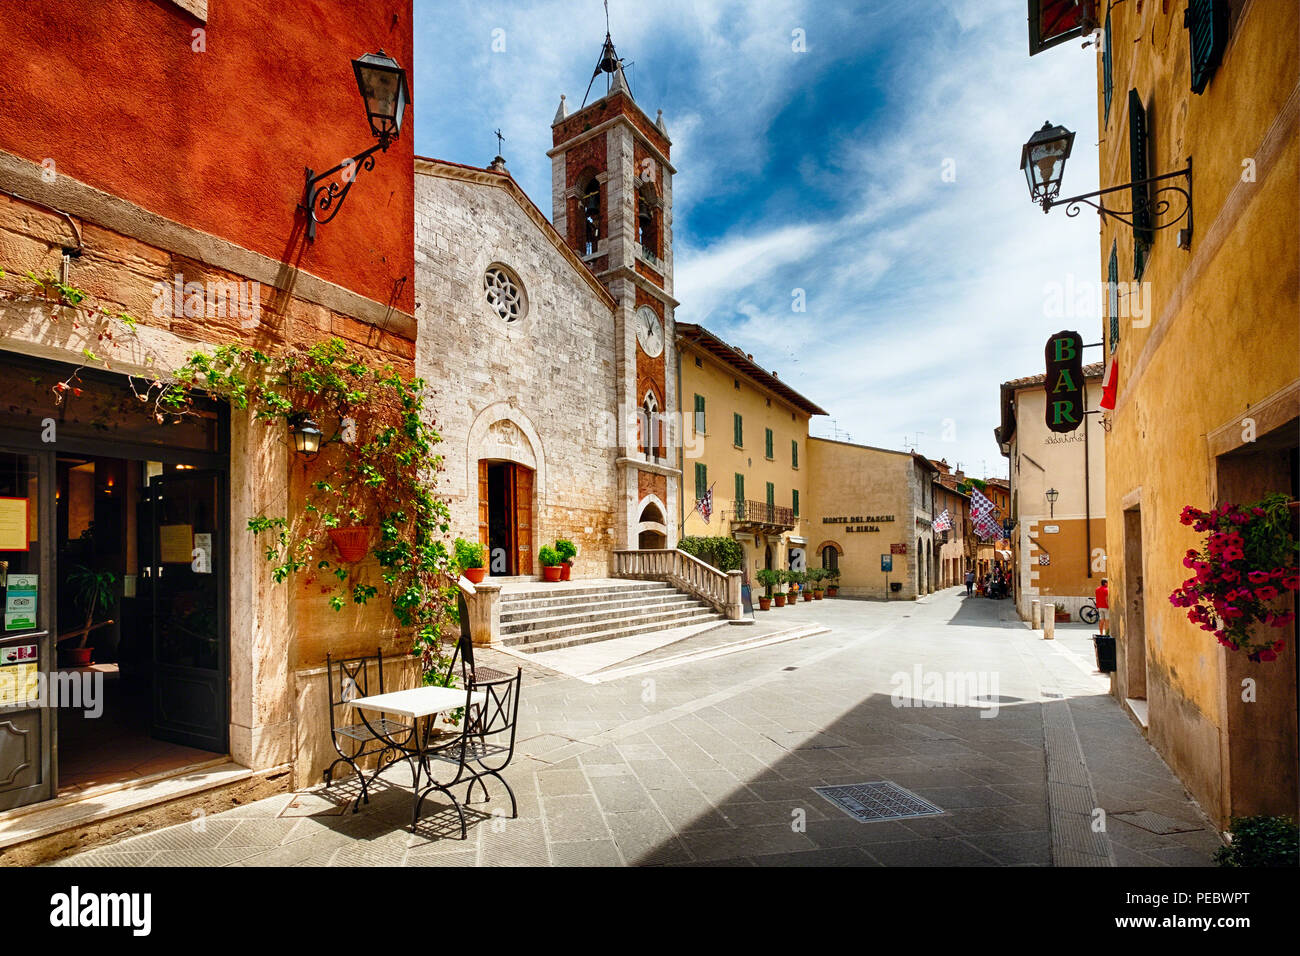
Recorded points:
970,582
1102,596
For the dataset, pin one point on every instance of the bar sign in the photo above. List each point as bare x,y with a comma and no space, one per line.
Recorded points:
1064,382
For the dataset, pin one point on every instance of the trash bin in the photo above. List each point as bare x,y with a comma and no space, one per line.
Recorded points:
1105,647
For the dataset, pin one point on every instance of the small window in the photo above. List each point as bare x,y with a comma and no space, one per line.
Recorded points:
1207,30
740,487
590,204
505,293
699,414
736,382
699,363
701,479
768,444
738,430
794,454
794,500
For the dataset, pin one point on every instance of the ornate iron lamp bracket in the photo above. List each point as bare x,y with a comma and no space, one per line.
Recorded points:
324,194
1156,204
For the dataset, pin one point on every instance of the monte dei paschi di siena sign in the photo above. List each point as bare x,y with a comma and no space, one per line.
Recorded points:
859,522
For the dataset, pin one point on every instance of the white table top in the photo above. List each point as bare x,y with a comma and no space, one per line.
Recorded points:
418,701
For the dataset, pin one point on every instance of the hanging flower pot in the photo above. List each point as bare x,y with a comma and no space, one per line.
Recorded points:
351,543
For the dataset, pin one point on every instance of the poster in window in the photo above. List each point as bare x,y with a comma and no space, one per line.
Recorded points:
176,543
13,524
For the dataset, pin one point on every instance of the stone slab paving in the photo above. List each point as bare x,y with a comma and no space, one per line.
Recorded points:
712,762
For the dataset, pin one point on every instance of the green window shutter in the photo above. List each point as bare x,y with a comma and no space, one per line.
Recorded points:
771,495
794,454
1207,31
1141,194
740,487
768,443
1107,82
701,479
1112,287
699,414
794,497
738,427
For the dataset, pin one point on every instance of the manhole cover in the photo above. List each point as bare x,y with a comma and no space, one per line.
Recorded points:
1154,822
881,800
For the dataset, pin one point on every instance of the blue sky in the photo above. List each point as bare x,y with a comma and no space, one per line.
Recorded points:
821,170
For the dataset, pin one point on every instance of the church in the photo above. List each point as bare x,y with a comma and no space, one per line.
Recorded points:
549,344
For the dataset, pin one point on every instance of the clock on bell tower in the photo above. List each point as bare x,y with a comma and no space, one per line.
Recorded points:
612,202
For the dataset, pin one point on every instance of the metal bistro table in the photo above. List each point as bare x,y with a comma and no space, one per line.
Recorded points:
418,703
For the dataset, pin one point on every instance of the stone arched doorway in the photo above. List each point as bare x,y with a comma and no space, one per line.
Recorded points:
651,527
505,453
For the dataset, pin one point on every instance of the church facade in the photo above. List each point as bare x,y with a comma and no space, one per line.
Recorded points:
550,344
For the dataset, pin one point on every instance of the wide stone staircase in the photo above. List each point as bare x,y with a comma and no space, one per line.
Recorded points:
552,616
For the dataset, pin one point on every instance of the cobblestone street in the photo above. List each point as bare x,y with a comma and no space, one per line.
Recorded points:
713,761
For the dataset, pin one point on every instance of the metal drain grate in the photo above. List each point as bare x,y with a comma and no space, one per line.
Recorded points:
881,800
1154,822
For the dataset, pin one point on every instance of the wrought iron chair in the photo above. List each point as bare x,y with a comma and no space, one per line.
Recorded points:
482,748
349,679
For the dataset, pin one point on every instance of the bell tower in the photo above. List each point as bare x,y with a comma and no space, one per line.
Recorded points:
612,195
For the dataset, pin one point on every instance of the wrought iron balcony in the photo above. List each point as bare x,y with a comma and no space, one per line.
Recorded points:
761,513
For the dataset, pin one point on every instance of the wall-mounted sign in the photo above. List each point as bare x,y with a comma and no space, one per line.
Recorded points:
175,543
898,548
13,524
886,563
20,602
1064,384
19,678
1051,529
860,522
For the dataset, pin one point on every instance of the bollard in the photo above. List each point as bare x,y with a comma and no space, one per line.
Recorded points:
1049,626
1035,615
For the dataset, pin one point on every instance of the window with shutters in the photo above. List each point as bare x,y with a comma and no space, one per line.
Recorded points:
1207,32
701,479
740,488
767,444
1107,82
794,454
794,500
699,414
738,430
1141,192
1112,293
771,497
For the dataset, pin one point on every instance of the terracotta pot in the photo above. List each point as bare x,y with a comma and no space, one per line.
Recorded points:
780,600
551,573
475,575
833,591
817,595
764,604
79,656
566,571
351,543
807,595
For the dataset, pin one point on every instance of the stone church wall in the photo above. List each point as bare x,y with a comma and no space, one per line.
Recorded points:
540,390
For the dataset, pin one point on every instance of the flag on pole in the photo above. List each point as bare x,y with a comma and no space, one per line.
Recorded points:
943,522
705,505
984,516
1110,387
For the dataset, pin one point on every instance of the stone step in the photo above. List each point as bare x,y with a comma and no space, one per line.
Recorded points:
563,592
511,615
612,627
557,643
587,597
600,617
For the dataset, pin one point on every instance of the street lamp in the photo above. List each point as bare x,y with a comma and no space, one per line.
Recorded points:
1052,495
1043,160
306,436
385,93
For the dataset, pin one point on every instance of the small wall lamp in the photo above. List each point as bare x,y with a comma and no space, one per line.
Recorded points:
1052,495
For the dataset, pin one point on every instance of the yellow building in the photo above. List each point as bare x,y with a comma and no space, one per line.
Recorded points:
871,513
1208,370
745,435
1058,505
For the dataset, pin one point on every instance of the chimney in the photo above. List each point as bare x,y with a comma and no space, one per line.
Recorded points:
498,164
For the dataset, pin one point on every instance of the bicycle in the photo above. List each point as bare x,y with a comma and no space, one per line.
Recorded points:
1089,614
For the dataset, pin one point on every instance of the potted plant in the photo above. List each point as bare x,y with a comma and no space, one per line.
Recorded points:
769,579
566,549
93,591
818,575
782,577
1247,561
550,559
805,584
1062,613
352,541
471,558
833,579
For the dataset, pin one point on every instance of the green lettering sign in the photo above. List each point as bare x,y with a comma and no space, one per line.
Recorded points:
1061,412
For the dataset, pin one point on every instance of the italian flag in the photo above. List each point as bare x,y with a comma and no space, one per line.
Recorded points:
1110,386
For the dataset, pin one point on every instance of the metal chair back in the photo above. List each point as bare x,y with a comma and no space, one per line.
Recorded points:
350,678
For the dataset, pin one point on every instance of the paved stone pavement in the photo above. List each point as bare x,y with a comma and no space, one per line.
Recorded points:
712,762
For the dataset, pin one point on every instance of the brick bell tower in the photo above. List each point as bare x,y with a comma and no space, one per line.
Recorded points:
611,183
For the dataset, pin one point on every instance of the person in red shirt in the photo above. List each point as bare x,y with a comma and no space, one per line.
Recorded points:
1102,595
